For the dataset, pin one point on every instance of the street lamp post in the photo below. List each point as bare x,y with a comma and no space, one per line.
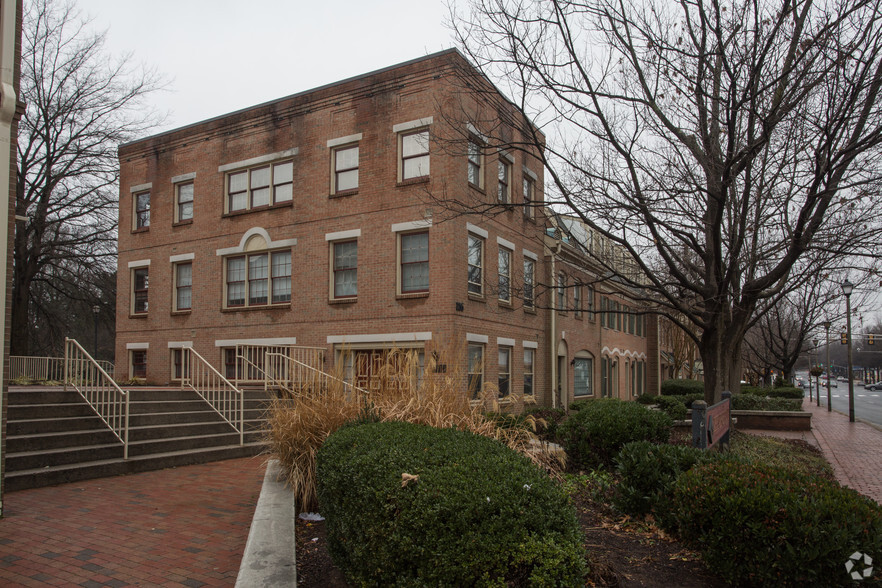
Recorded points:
847,288
829,371
95,310
818,379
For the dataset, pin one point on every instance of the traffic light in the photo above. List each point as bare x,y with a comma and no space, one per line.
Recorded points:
870,339
844,338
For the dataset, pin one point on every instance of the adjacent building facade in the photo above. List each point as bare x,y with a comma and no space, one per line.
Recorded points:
371,214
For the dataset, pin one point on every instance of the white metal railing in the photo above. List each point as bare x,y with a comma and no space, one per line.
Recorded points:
44,369
224,397
296,377
106,398
250,360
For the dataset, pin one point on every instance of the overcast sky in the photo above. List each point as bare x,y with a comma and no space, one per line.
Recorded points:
223,55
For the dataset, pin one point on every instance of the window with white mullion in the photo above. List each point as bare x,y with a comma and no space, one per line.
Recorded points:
504,267
281,276
476,263
346,168
257,279
346,269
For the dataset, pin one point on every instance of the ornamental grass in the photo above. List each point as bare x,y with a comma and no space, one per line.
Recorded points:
301,420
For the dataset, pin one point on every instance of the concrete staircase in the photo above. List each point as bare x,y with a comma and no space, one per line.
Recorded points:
54,437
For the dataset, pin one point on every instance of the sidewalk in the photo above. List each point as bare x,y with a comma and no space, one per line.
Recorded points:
853,449
178,527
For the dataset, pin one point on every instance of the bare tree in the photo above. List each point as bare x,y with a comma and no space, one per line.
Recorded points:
733,144
81,103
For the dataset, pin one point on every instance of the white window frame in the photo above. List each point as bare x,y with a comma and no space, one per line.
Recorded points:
589,382
529,372
475,369
504,274
176,285
401,236
504,178
577,299
133,310
475,288
475,163
272,186
333,270
269,279
337,149
141,217
503,374
402,158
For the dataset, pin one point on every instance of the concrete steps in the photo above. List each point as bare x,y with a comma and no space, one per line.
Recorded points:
54,437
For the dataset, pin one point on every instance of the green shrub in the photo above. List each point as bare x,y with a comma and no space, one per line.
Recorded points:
478,515
593,436
647,474
648,399
673,406
578,405
677,387
769,526
784,392
751,402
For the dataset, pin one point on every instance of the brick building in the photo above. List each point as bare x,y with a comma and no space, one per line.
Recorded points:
370,214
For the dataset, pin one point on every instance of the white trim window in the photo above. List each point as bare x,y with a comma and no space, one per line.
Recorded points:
583,368
258,279
140,289
476,265
529,282
138,363
504,270
183,286
183,202
561,293
529,194
503,190
345,269
475,370
475,157
413,255
504,372
141,210
259,187
345,162
413,154
529,362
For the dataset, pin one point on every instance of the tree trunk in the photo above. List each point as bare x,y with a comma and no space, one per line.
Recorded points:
721,356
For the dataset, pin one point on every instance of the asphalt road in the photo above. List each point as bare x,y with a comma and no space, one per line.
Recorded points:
867,403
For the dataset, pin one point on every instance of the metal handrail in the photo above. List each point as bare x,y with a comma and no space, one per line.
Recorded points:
315,378
107,399
225,398
249,357
44,368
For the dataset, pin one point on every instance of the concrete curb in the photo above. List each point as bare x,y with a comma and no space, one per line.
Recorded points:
269,558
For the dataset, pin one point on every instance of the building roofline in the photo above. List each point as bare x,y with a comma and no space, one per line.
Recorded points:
445,52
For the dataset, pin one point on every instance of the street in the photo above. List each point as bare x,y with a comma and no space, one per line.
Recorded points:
867,403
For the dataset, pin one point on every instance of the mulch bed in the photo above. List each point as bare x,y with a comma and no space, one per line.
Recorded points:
621,552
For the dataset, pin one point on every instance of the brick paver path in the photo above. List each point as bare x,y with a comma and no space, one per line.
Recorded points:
853,449
178,527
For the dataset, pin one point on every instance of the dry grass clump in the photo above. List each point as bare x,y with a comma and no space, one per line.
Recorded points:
300,422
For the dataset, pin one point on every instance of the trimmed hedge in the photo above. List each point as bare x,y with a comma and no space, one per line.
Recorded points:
647,474
765,526
593,436
479,515
752,402
784,392
678,387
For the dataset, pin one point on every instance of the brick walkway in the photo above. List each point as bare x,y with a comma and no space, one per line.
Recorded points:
853,449
178,527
